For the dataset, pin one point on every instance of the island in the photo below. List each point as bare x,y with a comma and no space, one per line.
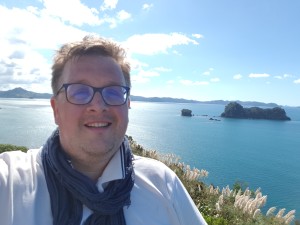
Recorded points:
186,112
235,110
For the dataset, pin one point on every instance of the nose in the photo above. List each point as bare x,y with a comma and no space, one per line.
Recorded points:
97,103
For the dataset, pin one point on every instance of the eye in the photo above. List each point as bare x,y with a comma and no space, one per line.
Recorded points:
115,91
115,94
79,92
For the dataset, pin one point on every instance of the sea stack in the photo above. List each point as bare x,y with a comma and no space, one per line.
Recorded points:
186,112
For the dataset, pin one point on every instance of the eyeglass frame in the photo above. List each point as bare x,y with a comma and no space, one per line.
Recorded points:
95,89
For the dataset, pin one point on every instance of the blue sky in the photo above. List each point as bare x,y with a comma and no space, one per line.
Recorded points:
196,49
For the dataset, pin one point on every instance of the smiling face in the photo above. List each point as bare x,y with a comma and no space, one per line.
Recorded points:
93,132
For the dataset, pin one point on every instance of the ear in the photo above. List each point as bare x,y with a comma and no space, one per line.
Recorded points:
128,102
55,109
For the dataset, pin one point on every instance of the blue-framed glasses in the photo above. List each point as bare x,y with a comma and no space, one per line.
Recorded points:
81,94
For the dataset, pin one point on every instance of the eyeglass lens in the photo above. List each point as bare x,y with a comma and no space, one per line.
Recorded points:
83,94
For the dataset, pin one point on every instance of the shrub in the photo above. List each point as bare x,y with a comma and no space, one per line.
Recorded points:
8,147
239,206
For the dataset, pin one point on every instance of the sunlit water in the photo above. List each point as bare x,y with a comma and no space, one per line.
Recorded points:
261,153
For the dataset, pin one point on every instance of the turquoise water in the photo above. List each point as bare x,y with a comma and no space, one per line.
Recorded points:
261,153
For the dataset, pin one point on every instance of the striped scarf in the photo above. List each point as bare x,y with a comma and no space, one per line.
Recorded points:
69,189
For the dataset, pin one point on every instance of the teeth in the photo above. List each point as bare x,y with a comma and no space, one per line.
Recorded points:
97,125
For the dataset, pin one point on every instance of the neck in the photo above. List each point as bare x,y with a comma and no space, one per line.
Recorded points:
93,170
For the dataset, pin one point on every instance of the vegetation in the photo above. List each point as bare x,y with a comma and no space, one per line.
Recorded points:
8,147
235,110
239,206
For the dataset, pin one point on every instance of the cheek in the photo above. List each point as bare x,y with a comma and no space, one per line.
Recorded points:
62,113
123,116
67,117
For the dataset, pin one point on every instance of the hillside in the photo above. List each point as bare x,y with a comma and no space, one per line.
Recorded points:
22,93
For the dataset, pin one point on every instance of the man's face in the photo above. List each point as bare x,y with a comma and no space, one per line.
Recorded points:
95,130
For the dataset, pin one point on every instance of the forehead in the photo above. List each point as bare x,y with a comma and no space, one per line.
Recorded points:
93,69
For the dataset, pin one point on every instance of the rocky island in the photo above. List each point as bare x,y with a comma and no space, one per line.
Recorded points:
186,112
235,110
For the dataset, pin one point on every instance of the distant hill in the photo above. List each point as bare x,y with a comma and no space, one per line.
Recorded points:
163,99
217,102
22,93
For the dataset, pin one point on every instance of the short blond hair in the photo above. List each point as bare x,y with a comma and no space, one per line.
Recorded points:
89,45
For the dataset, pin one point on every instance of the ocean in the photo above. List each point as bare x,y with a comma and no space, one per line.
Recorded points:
258,153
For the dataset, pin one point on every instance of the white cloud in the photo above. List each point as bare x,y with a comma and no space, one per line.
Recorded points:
79,14
287,75
123,15
297,81
237,77
193,83
139,79
197,36
111,21
143,76
170,82
258,75
114,21
176,53
25,41
136,64
109,5
148,73
34,33
147,6
30,69
284,76
150,44
208,72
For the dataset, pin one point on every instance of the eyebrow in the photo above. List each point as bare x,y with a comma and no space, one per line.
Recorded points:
111,83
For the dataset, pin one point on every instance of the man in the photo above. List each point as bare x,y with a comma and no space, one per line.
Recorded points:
85,173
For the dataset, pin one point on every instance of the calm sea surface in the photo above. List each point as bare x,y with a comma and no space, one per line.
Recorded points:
260,153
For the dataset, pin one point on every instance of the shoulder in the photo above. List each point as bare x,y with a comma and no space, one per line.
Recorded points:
151,167
18,157
160,189
18,163
153,173
24,197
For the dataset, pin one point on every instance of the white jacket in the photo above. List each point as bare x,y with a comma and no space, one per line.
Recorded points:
157,198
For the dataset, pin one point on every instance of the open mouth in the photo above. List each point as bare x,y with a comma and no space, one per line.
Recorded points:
97,125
